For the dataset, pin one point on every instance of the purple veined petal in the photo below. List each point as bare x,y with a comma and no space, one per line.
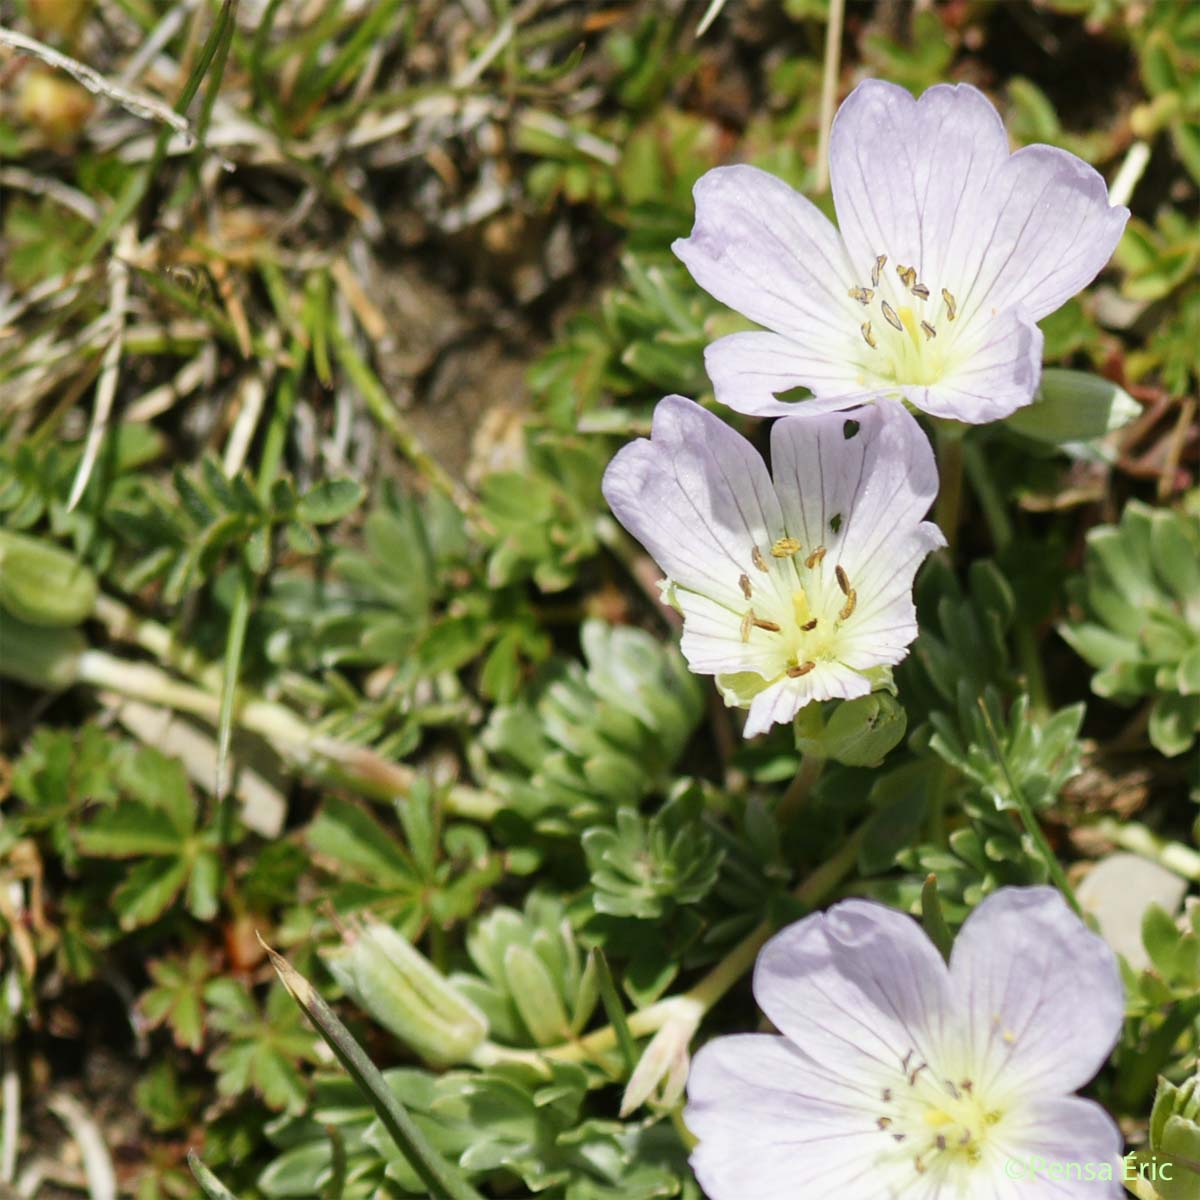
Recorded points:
1062,1130
911,178
1051,233
779,703
1042,994
749,371
712,640
860,990
763,249
697,495
1000,373
863,496
772,1126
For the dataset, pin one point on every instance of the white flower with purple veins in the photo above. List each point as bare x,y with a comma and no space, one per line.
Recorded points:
897,1076
949,250
794,590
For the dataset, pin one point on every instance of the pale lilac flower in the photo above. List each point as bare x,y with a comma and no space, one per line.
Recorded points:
949,249
791,591
897,1076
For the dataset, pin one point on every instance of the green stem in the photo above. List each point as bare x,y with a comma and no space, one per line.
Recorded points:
1137,839
701,998
1028,819
1000,525
799,790
949,441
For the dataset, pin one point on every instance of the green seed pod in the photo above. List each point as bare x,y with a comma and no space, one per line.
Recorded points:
407,995
39,657
41,584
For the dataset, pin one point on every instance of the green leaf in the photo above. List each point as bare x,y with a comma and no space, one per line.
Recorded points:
329,501
1072,406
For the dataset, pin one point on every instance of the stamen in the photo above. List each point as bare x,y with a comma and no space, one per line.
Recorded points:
940,1141
919,289
785,547
769,626
912,1078
887,1095
951,305
868,336
802,669
815,557
862,295
747,625
884,1122
744,584
880,263
843,580
928,330
809,626
757,559
848,608
908,276
889,314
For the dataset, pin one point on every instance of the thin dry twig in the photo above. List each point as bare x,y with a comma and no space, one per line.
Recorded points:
135,102
106,388
829,88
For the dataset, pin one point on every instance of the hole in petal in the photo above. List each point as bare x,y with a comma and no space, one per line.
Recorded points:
835,522
850,429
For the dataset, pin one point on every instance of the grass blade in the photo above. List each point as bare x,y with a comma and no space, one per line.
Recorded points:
443,1181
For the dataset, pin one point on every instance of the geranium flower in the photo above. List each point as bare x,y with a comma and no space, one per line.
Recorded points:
897,1076
949,250
791,591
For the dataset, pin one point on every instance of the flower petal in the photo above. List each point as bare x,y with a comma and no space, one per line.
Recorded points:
911,178
875,486
1046,1138
763,249
698,497
1050,234
750,370
1002,357
779,703
772,1127
860,990
1043,996
712,640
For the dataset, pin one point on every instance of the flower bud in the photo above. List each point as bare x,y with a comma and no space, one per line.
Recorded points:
41,584
384,973
1073,406
860,733
1175,1138
39,657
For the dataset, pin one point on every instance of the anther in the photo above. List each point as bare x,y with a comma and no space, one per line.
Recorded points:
802,669
757,559
848,607
940,1141
912,1078
889,314
910,1053
884,1122
951,306
908,275
861,294
747,625
769,626
920,290
953,1089
785,547
928,330
880,263
868,336
887,1095
843,581
809,626
815,557
966,1086
744,584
